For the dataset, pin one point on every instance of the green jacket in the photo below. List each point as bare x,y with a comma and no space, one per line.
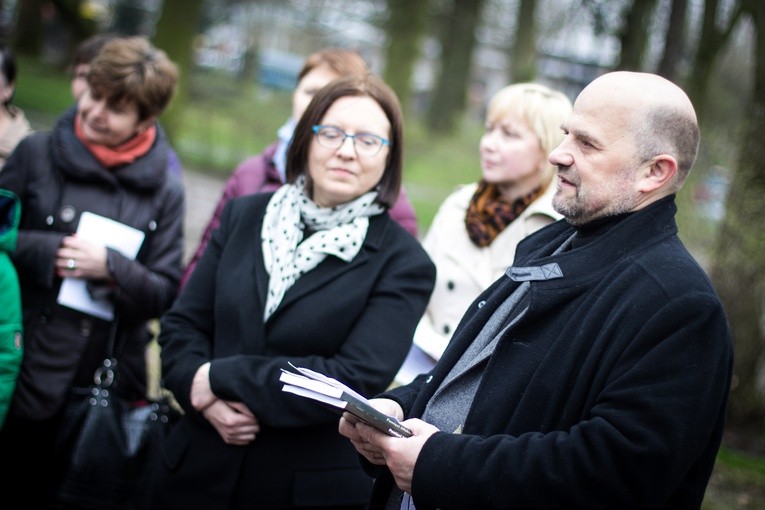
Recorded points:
11,333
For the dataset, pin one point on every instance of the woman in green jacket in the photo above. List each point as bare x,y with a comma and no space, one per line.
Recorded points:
10,301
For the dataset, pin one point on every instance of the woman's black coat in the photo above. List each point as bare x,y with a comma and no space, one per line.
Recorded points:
352,321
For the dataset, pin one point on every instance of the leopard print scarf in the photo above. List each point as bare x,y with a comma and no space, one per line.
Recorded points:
489,212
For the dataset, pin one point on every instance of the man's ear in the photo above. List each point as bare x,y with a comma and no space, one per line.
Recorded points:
657,173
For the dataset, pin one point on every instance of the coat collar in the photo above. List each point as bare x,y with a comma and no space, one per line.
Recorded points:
146,174
629,236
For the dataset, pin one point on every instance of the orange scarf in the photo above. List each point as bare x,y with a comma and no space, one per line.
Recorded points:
123,154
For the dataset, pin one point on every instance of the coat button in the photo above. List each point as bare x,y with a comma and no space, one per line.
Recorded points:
67,214
480,304
446,329
86,327
450,285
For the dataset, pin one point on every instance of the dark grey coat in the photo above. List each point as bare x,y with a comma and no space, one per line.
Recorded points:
610,391
57,179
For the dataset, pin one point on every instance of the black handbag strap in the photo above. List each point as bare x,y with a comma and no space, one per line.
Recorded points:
106,373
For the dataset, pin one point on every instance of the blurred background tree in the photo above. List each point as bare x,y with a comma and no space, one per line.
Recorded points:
457,25
176,30
405,28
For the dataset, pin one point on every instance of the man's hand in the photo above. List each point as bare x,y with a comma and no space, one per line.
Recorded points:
348,429
399,454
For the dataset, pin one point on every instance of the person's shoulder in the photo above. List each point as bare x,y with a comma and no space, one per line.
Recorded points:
460,196
33,148
174,183
257,162
246,211
670,261
35,139
386,234
247,204
553,234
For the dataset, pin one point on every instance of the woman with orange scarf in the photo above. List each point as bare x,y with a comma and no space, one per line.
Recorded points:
106,156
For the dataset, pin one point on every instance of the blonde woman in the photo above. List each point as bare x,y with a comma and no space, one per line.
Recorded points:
473,236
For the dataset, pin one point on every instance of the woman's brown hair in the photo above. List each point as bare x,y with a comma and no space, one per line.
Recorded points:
130,69
341,61
368,85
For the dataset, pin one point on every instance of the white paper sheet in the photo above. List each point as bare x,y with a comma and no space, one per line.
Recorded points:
112,234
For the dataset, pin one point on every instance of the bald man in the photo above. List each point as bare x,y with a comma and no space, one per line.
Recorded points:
595,373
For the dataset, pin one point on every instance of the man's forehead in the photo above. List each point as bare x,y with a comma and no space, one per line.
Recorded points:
602,126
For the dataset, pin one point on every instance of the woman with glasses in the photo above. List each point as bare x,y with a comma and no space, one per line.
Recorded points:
266,171
315,274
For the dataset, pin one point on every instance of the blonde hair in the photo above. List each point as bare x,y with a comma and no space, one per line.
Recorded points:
541,108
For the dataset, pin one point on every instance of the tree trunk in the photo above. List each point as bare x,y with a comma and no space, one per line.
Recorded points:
177,26
674,40
457,42
711,42
523,64
739,262
405,28
634,34
28,34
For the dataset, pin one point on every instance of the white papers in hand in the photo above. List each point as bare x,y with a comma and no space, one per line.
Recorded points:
112,234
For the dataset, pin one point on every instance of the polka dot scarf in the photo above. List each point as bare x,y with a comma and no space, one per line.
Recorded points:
338,231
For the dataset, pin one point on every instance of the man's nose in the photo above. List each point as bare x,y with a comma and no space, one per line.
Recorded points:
560,156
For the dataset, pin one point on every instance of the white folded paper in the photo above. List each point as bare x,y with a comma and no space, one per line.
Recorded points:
112,234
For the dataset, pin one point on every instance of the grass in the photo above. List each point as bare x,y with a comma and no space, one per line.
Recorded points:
738,482
226,120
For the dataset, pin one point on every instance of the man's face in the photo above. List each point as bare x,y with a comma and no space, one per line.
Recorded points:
597,163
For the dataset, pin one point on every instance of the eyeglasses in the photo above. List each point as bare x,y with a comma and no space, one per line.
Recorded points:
365,144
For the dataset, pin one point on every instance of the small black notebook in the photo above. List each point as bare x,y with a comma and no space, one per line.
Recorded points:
324,389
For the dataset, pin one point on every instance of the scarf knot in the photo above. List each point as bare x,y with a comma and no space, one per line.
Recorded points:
489,212
337,231
122,154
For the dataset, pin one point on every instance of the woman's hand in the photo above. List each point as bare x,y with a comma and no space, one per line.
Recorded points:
201,395
235,423
77,258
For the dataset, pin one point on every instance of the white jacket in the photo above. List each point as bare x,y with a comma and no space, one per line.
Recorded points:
464,270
